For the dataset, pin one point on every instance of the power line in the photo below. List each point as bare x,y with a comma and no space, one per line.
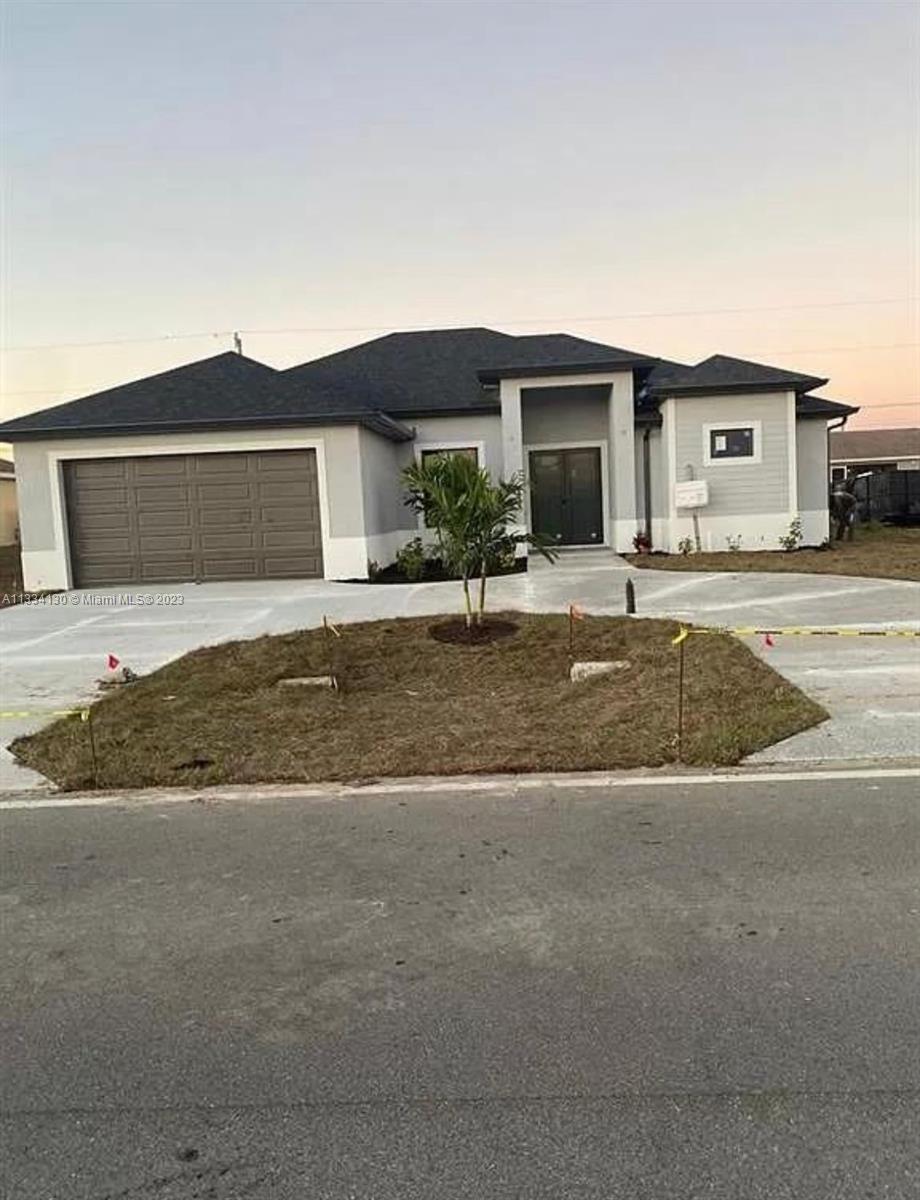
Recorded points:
597,319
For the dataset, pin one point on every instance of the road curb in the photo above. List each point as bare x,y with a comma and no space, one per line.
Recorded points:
825,770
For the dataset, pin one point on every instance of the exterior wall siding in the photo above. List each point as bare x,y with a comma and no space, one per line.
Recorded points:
478,429
736,488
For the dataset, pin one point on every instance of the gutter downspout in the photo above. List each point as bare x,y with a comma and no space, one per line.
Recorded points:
647,481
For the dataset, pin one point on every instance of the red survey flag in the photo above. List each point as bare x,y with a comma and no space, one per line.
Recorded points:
768,640
112,662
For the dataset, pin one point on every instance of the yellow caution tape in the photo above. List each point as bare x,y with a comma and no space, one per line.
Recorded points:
47,712
796,632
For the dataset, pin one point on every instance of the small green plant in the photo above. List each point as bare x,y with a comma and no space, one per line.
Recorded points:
373,569
733,542
411,560
792,538
685,546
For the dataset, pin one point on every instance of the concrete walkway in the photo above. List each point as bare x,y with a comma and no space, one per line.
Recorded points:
52,652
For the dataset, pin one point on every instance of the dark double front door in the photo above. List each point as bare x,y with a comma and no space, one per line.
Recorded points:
566,496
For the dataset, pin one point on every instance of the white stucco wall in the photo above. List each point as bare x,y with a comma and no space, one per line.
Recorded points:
341,453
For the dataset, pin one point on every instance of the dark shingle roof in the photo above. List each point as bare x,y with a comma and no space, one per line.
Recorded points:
228,389
404,373
442,370
377,382
820,406
720,372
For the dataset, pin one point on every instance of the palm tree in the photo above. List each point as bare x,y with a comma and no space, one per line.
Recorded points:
471,518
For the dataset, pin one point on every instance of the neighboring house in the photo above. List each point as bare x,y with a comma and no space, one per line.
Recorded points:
9,511
228,469
854,452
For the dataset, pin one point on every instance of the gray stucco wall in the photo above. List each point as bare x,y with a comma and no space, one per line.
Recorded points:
483,430
737,487
382,462
565,414
811,470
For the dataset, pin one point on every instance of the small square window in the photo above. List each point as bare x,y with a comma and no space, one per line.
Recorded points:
731,443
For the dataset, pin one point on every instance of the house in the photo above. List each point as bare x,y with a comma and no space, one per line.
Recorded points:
9,512
857,451
228,469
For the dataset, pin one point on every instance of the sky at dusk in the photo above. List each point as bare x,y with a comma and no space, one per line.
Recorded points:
678,178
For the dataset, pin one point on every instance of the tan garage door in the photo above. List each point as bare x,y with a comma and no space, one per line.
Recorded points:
171,518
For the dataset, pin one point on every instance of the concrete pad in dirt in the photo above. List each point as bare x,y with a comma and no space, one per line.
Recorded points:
52,652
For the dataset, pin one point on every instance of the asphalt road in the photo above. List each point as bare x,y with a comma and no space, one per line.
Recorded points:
685,991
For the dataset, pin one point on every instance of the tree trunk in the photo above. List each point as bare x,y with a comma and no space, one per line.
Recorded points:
467,601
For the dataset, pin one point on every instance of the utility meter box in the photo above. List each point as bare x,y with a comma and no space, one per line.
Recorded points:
691,493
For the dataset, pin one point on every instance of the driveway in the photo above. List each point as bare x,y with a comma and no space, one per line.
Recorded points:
52,652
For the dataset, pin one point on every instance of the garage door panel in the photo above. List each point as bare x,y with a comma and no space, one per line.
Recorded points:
153,519
222,464
165,495
172,518
220,493
300,490
166,543
295,539
115,520
159,466
223,516
171,570
96,470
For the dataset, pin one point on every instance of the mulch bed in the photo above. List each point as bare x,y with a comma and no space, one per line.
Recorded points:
414,705
458,633
876,552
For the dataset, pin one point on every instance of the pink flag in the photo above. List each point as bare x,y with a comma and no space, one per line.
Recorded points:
112,662
768,640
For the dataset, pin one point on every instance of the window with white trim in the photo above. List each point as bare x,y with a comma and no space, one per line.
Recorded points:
449,452
731,442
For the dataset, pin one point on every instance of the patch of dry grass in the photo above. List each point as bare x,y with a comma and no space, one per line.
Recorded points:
415,706
877,551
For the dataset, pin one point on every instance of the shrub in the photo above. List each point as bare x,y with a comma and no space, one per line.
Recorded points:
734,542
685,546
792,538
411,560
